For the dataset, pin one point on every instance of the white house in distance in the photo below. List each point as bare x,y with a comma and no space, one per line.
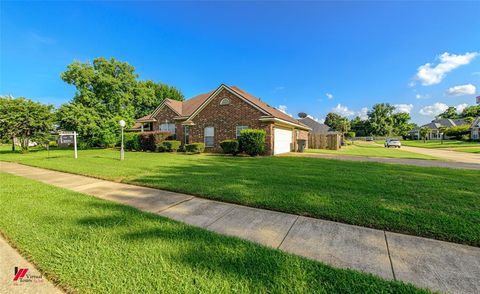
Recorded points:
475,129
434,126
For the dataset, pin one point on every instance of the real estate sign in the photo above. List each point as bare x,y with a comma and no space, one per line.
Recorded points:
68,139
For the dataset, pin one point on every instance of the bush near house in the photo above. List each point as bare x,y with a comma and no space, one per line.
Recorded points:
195,148
169,146
230,146
457,132
150,140
252,141
132,141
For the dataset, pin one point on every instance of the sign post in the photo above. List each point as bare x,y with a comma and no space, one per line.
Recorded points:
68,139
75,144
122,152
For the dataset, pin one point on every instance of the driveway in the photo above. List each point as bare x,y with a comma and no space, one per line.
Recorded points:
446,154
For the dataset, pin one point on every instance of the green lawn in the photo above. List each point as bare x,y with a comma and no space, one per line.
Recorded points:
371,150
425,201
438,143
88,245
468,149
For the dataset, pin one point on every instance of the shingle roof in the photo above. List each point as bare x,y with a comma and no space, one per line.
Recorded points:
264,106
317,128
445,122
188,107
476,122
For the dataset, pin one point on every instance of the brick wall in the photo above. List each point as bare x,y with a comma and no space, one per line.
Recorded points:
166,115
225,118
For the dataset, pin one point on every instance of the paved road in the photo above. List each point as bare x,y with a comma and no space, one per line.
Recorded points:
446,154
405,161
440,266
9,259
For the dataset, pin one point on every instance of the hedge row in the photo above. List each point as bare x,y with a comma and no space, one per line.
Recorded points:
251,142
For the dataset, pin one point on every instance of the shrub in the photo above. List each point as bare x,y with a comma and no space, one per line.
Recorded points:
195,147
169,146
252,141
132,141
150,140
350,134
230,147
52,144
457,132
181,148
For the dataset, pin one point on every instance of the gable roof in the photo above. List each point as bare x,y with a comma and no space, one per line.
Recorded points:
445,122
317,128
189,108
476,123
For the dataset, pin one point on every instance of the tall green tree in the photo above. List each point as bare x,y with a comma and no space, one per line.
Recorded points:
401,125
337,122
153,94
471,111
108,90
380,119
25,120
359,126
451,112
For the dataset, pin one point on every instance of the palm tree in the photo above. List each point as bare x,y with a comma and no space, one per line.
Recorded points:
442,132
424,131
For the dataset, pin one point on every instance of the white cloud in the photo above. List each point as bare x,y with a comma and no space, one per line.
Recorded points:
363,113
460,90
343,110
329,95
421,96
434,109
432,75
412,84
407,108
461,107
283,108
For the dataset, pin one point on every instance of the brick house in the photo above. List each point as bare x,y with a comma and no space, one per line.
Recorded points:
220,115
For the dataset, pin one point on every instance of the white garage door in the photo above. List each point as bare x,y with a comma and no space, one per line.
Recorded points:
282,140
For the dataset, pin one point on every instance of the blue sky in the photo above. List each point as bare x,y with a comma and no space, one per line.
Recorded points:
291,55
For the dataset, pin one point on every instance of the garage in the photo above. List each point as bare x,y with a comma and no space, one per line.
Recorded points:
282,141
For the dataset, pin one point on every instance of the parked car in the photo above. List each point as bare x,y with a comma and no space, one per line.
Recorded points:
392,143
368,139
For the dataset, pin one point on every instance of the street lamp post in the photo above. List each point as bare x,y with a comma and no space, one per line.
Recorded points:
122,152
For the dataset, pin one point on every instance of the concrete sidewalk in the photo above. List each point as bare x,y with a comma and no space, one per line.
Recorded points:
437,265
405,161
33,282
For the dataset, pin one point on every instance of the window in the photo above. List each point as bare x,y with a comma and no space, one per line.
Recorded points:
209,136
168,127
239,129
225,101
186,131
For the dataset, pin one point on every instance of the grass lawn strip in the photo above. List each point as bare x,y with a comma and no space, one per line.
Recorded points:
424,201
372,150
90,245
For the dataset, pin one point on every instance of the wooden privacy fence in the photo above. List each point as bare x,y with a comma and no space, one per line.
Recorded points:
324,141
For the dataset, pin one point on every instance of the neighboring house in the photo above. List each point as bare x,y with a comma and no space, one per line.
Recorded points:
220,115
434,126
475,129
317,128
